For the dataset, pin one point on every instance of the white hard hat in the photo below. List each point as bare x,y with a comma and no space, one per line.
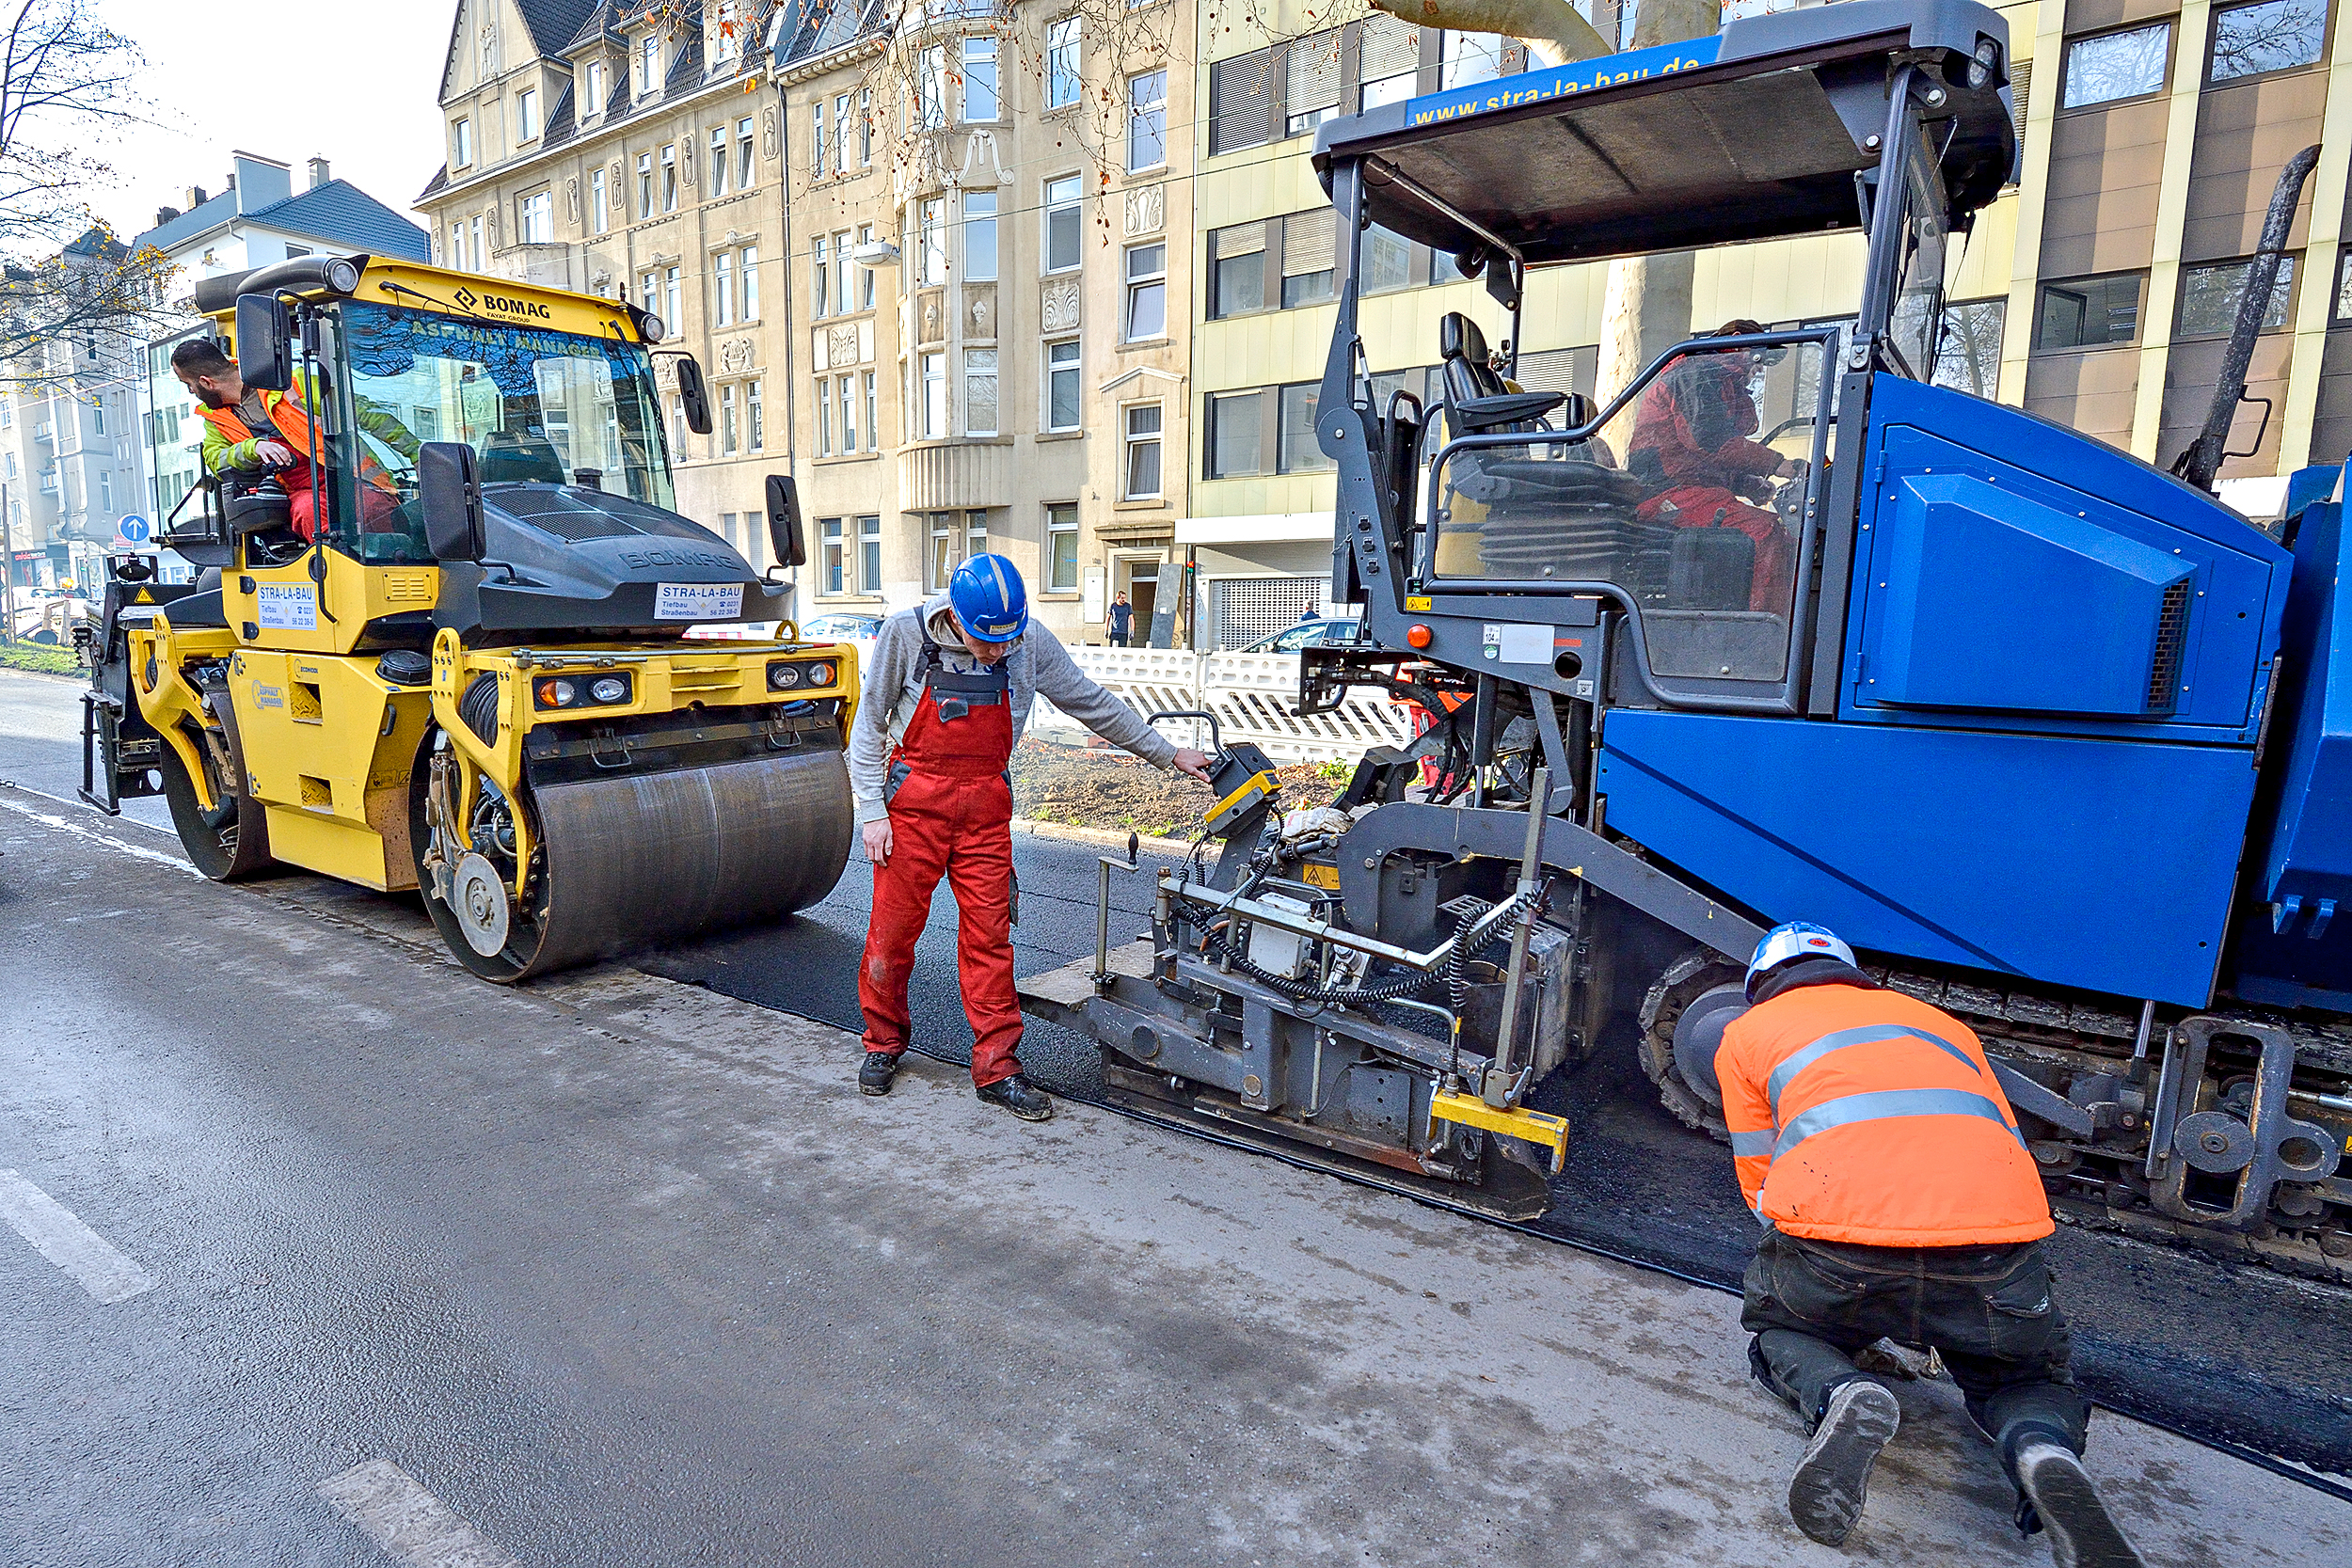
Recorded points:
1798,939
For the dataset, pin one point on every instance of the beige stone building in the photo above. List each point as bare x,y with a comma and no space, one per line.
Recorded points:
990,231
634,149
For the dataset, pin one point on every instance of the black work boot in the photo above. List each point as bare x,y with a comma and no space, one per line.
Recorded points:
2081,1533
1825,1495
875,1073
1016,1094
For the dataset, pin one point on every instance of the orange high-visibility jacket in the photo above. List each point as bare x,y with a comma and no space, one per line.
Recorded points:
1870,1118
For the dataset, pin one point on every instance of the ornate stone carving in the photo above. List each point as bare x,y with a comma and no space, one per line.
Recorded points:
493,225
931,314
979,310
981,166
841,345
490,49
665,371
768,133
619,205
571,197
1059,310
737,354
686,163
1146,209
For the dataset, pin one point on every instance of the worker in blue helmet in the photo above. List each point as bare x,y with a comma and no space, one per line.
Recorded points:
947,691
1898,1201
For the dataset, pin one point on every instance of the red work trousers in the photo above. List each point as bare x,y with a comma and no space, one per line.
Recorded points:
378,509
1701,505
951,816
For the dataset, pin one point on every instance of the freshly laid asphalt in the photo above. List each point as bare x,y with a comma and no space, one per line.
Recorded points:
2235,1354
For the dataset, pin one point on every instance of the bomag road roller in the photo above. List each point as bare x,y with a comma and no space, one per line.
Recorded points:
2059,740
473,677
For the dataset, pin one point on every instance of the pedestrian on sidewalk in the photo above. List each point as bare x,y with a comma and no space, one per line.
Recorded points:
1899,1202
1119,624
947,691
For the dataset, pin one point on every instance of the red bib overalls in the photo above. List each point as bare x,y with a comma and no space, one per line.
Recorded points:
951,815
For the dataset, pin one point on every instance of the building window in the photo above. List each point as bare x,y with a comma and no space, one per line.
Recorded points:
455,255
819,251
461,144
1310,82
1145,316
2210,294
824,417
866,274
934,373
527,115
1236,435
474,228
534,218
942,560
1237,269
648,65
718,160
648,296
865,127
980,80
1297,450
1309,257
1061,384
645,184
2089,312
975,534
1141,428
751,283
755,427
729,430
106,489
1465,59
669,177
1061,62
1241,102
599,202
1969,358
1061,547
930,89
979,392
2111,66
1388,60
1147,120
722,287
743,154
596,94
931,239
869,554
673,302
873,415
979,236
847,387
828,562
1063,228
817,138
2266,35
1389,261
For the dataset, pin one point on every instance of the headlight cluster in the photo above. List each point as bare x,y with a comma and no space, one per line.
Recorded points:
797,674
562,691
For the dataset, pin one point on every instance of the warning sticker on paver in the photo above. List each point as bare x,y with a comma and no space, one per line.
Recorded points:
288,606
1511,643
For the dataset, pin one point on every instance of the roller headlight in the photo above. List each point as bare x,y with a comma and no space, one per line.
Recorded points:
783,677
568,692
608,689
558,693
820,674
1988,58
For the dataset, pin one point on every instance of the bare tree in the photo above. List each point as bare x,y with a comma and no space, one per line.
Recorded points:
64,78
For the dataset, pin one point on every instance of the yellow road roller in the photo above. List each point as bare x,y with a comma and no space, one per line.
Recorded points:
460,663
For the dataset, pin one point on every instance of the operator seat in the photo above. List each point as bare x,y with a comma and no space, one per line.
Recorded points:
201,608
512,455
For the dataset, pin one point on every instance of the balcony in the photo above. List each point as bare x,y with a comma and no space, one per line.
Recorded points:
49,482
42,433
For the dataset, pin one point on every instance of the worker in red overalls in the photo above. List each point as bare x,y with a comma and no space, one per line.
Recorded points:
1692,439
947,691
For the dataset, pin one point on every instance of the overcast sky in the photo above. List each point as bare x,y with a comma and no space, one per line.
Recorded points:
364,83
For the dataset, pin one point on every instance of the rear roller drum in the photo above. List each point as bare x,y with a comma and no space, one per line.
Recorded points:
232,838
1683,1024
621,863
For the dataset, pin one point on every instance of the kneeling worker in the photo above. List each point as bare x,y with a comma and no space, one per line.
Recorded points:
1898,1201
947,692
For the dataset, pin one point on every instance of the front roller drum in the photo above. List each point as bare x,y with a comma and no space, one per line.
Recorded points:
630,862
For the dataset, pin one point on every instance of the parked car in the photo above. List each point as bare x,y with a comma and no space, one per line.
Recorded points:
1306,634
845,627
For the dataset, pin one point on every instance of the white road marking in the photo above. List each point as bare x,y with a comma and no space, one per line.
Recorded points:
103,840
126,818
386,1505
65,1241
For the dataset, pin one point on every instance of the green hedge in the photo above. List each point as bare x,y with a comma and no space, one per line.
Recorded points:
35,655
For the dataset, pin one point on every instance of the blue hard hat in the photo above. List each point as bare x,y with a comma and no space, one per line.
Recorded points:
1798,939
989,600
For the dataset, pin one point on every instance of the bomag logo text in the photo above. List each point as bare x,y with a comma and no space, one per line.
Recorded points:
674,558
503,305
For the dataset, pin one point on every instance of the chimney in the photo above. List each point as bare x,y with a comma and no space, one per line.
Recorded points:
196,197
165,214
319,175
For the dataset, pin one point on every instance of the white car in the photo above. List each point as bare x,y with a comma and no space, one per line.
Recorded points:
845,627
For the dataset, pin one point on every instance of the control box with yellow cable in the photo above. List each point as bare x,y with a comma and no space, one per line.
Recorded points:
442,639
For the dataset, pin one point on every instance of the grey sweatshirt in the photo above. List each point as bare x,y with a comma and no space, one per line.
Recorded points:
1038,664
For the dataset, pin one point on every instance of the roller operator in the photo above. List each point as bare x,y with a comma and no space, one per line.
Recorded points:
948,690
1898,1201
259,432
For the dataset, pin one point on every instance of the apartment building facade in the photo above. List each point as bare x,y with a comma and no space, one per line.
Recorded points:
632,150
991,215
2097,293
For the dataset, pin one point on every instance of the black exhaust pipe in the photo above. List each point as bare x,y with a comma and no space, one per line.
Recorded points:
2201,460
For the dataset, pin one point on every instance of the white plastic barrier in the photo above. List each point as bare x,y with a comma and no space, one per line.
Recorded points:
1254,696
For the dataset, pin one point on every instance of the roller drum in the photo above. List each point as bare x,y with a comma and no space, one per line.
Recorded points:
648,858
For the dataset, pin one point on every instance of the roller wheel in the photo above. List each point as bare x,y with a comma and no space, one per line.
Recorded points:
1687,979
471,899
230,840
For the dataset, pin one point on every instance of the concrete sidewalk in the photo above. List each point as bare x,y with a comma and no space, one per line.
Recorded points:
706,1303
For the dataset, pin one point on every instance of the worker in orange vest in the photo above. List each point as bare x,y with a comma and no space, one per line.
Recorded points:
248,429
1898,1201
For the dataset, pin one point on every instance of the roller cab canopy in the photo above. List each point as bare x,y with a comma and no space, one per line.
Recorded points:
1757,133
